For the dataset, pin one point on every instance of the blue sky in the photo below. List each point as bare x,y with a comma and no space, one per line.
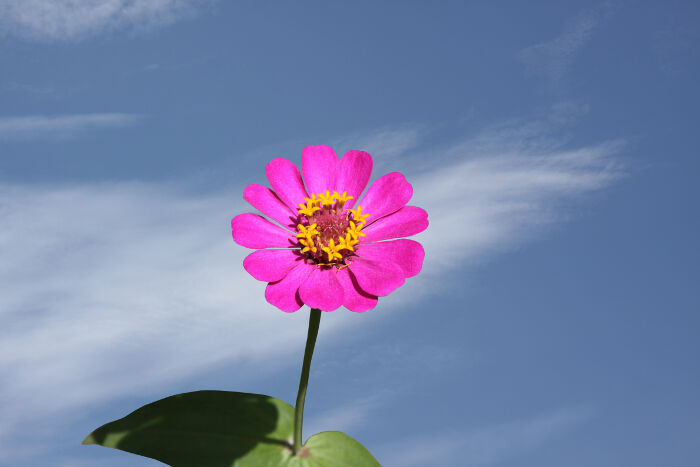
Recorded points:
554,145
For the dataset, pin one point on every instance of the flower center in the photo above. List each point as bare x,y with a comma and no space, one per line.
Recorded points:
327,231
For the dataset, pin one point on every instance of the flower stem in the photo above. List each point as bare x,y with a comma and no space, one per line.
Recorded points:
314,320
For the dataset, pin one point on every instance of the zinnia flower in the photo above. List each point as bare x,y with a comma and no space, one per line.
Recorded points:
328,251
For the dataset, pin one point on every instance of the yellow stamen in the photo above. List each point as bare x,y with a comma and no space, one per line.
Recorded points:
313,200
357,215
341,199
345,244
308,209
327,198
324,207
355,230
306,232
332,250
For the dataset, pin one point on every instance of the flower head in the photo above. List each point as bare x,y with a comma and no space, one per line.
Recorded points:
329,249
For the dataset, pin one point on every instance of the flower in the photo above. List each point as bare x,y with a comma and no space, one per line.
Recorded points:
328,251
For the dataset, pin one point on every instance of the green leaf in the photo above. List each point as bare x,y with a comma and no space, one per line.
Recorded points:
332,449
225,429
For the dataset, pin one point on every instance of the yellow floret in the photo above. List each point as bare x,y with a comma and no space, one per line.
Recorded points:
346,243
308,245
357,215
326,198
307,232
332,250
341,199
313,200
308,209
355,230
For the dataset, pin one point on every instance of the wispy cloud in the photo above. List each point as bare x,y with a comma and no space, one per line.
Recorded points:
484,446
107,290
77,19
552,59
117,270
490,203
61,126
503,185
112,289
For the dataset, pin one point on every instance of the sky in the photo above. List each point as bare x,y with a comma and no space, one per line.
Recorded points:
553,144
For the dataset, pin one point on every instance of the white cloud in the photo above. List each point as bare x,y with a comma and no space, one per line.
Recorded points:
500,198
103,280
552,59
500,187
114,289
119,288
61,126
77,19
484,446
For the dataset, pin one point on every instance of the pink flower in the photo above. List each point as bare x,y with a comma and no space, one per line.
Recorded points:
327,251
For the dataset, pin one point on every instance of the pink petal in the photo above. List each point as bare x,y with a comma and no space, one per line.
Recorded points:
319,164
254,231
322,290
271,265
407,254
407,221
353,175
284,293
266,201
285,180
377,277
355,299
387,194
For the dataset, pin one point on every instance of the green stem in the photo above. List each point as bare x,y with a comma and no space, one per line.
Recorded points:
314,320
